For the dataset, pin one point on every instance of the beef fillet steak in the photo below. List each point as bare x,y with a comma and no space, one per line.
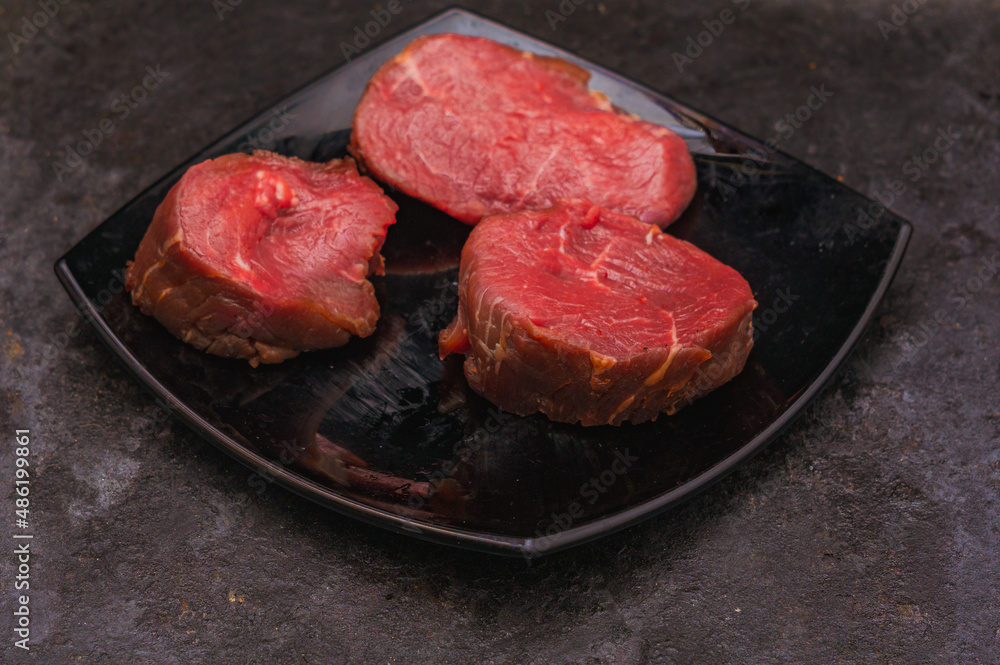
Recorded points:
261,257
591,316
478,128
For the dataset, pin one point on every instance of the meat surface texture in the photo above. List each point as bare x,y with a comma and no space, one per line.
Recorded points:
477,128
262,257
591,316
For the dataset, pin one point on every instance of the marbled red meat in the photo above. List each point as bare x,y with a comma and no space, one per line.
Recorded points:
262,257
478,128
591,316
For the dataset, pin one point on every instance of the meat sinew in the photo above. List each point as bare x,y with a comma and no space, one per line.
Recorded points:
478,128
591,316
262,257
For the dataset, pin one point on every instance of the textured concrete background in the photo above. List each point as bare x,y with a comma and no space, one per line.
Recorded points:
867,534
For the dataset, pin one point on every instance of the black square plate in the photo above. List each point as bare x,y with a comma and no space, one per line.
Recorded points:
382,430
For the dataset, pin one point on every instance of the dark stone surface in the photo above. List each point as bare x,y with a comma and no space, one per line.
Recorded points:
868,533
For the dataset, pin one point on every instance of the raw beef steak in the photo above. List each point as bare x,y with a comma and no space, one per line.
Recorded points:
478,128
261,257
591,316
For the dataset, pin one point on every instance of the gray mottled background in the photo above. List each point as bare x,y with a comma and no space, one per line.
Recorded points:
868,533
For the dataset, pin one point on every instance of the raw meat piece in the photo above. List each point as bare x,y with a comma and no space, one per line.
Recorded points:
262,257
591,316
477,128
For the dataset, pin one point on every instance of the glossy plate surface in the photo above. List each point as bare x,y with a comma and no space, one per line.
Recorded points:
382,430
